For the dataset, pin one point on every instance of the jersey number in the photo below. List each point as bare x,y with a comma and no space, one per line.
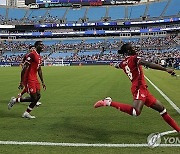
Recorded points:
128,72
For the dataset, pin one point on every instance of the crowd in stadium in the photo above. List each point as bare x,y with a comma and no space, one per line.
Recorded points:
154,49
148,42
169,59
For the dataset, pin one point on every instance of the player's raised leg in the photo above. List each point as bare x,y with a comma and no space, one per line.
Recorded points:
15,100
134,110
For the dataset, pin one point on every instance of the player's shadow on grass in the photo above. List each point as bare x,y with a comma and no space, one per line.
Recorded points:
91,134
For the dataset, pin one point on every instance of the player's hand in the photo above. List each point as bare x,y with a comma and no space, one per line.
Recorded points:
44,86
20,85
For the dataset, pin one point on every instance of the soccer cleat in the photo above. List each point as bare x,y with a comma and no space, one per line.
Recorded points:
106,102
38,103
99,104
11,102
27,115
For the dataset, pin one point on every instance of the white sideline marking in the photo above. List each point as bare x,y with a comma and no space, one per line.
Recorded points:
89,145
164,95
168,132
82,144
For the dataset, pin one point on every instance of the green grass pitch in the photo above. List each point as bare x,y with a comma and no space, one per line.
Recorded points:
67,114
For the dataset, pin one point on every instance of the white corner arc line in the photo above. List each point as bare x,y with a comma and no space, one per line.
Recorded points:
164,95
82,144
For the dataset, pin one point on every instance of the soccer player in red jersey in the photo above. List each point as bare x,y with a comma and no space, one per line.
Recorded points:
31,67
31,48
132,66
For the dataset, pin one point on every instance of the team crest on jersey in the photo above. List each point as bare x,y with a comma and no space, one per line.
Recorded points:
142,95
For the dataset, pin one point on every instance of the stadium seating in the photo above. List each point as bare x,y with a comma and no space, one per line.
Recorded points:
117,12
3,11
151,9
16,14
75,14
96,13
173,8
56,13
36,15
155,9
136,11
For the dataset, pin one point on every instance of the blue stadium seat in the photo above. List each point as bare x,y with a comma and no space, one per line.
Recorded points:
36,14
18,14
57,12
75,14
2,11
156,8
117,12
173,8
136,11
96,13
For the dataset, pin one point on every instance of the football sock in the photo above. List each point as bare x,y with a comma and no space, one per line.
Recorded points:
29,109
25,99
122,107
170,121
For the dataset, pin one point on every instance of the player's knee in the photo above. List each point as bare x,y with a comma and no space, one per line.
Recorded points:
163,112
135,112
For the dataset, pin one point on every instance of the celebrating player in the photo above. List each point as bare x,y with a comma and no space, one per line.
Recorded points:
132,66
31,67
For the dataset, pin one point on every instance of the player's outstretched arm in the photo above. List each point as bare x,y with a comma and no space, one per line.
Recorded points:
155,66
41,77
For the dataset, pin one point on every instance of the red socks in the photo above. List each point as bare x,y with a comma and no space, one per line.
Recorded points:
123,107
129,110
170,121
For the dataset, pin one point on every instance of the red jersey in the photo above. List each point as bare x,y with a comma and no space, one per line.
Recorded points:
24,58
133,70
34,61
23,62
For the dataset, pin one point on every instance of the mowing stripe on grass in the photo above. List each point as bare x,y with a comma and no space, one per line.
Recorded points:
164,95
82,144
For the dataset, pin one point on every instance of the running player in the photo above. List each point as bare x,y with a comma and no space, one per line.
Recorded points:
33,66
31,49
132,66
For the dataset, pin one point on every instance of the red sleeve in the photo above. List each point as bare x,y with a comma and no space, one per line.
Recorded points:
30,58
